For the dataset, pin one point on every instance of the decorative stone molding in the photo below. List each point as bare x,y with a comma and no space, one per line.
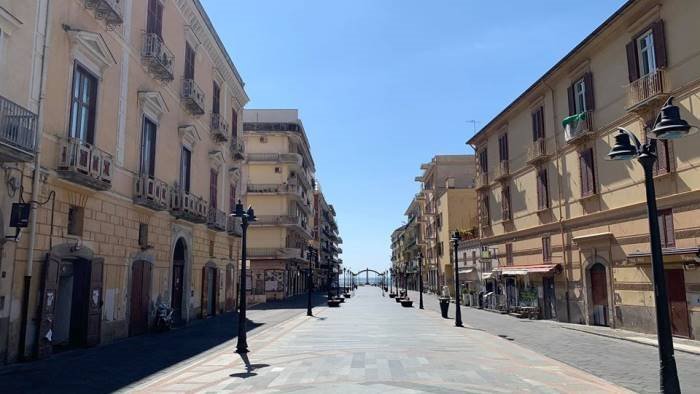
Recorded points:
152,104
191,38
234,174
90,48
189,136
8,22
77,199
216,159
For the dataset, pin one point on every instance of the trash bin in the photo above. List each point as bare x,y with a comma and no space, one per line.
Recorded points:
444,306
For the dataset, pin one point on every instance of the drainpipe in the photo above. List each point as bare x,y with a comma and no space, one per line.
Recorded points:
35,186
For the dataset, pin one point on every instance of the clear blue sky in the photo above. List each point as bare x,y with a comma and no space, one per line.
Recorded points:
383,85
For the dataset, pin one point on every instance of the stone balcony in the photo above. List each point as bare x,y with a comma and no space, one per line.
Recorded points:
192,97
151,192
84,164
290,158
216,219
108,10
502,172
157,57
237,149
187,206
233,226
219,128
482,180
18,127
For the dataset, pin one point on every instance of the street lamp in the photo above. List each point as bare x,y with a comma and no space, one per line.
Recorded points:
246,218
420,280
458,313
311,254
668,125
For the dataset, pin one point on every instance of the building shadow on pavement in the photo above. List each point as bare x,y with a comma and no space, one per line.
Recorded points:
296,302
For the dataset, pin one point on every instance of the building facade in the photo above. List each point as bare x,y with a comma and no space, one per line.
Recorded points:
328,242
280,172
570,227
117,92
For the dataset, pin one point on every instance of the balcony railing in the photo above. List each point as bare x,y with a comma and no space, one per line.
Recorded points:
647,90
84,164
502,171
482,180
157,57
17,132
276,157
265,188
109,10
578,128
216,219
151,192
537,151
237,149
192,97
219,127
233,226
187,206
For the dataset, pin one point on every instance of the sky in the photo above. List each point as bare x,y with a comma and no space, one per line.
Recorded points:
384,85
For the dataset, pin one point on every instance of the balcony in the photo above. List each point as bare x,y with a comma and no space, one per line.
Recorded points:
109,10
233,226
151,192
276,253
219,128
273,188
537,152
482,180
187,206
578,128
192,97
84,164
17,132
648,92
216,219
237,149
157,57
502,171
292,158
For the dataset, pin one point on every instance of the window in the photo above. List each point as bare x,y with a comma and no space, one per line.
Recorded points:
148,148
542,189
189,61
439,249
232,198
509,254
154,21
474,258
538,124
185,167
581,95
483,161
668,239
211,248
234,124
213,180
588,178
143,235
505,204
645,53
83,105
503,147
485,213
662,165
75,221
547,249
215,99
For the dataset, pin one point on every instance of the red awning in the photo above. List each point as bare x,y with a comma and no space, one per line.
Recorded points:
528,269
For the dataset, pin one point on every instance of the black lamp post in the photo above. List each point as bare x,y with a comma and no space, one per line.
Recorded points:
668,125
420,280
458,312
311,254
246,218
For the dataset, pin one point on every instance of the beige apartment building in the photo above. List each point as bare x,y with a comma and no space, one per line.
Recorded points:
447,193
280,188
130,109
327,240
570,227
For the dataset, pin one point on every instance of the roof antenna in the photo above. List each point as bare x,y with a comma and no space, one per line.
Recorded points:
473,122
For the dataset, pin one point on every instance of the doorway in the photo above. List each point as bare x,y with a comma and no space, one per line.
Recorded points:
229,291
178,281
599,294
675,282
140,297
548,300
209,286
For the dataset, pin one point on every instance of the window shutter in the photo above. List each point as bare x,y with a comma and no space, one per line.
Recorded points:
213,175
588,83
539,190
583,173
632,61
540,116
572,100
657,29
232,198
670,237
545,188
661,165
234,124
590,172
662,230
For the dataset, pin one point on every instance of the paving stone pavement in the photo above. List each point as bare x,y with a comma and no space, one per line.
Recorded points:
631,365
371,344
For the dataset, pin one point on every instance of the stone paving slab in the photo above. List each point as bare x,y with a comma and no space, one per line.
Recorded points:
372,344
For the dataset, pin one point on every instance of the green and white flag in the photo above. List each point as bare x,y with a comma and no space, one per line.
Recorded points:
572,125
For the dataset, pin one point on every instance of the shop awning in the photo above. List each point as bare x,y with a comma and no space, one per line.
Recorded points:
528,269
466,270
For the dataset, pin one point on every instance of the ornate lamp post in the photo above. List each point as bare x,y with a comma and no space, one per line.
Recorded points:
311,254
458,312
668,125
420,280
246,218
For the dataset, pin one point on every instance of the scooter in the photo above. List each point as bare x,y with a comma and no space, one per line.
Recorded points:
164,317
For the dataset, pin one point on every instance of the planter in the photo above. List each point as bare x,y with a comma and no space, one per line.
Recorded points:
398,299
406,303
341,299
392,295
333,303
444,306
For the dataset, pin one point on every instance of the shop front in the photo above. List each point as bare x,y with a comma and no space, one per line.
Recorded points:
526,291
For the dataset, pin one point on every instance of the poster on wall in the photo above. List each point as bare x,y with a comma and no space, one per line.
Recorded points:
274,280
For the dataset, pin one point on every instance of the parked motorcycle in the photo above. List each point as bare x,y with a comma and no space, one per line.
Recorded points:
164,317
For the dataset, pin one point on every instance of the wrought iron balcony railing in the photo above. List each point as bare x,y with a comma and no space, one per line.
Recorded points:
579,130
219,127
151,192
237,149
482,180
84,163
275,157
187,206
18,128
647,90
157,57
537,151
192,97
502,171
109,10
216,219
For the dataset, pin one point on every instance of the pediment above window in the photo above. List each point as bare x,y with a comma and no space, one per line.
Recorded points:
189,136
91,48
152,104
216,159
234,174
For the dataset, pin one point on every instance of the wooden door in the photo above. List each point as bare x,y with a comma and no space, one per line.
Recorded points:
205,292
48,305
675,283
229,288
140,297
599,295
177,290
548,309
94,318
